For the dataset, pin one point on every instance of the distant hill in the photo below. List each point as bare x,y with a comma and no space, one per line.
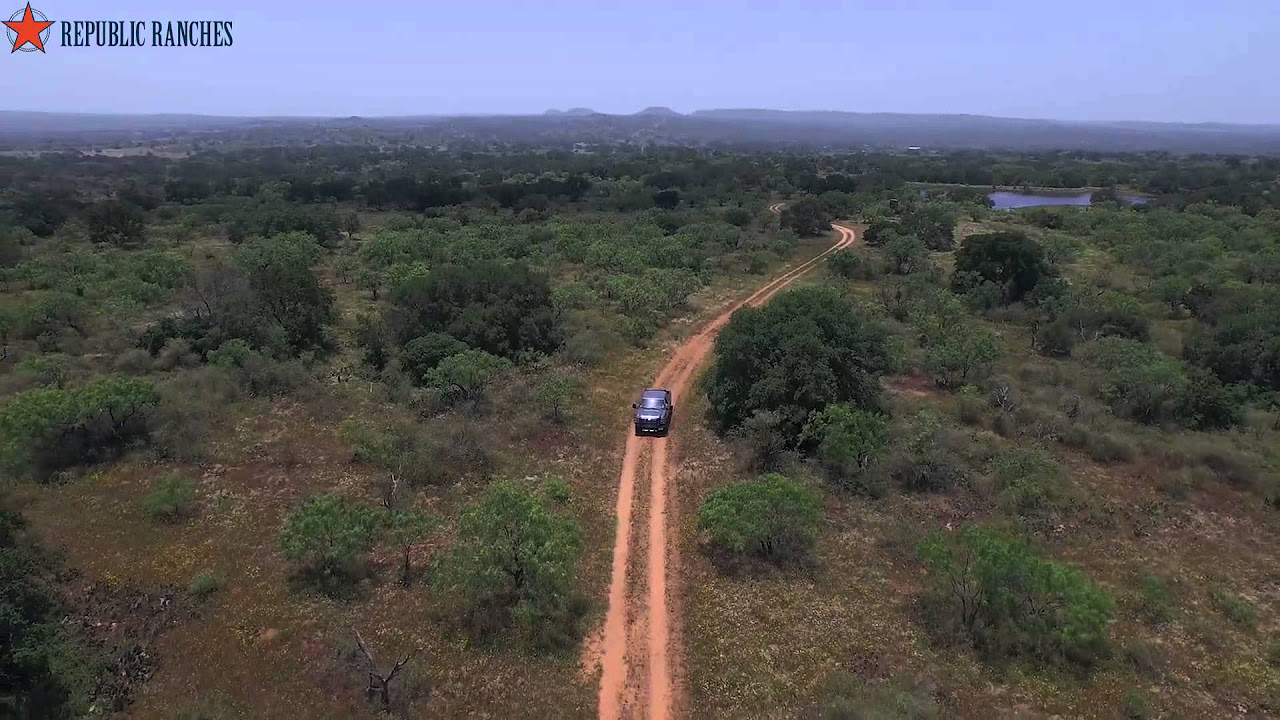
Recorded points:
659,111
746,128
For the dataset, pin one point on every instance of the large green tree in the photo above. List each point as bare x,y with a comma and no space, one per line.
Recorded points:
1011,260
503,309
806,216
285,290
807,349
116,222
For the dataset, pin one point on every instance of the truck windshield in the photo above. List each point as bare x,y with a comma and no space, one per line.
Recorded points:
651,402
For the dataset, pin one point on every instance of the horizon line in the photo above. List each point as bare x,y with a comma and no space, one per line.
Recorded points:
565,111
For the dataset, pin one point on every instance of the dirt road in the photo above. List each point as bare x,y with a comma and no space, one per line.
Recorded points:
638,636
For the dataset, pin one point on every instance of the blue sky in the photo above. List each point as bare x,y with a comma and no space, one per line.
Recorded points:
1175,60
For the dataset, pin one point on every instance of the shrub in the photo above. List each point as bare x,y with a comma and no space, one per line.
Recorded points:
1026,480
925,462
557,490
1156,603
189,402
176,352
255,373
1013,604
466,376
773,517
853,265
1055,339
1237,470
204,584
1102,447
1136,706
48,429
325,534
1233,607
764,436
971,408
171,497
513,567
807,349
1145,657
846,441
133,362
423,354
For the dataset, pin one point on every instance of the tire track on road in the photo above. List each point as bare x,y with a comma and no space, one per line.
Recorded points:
618,659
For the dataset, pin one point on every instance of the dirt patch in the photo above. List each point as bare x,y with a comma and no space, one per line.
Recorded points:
123,623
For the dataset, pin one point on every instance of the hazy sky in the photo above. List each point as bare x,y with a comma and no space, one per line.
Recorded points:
1178,60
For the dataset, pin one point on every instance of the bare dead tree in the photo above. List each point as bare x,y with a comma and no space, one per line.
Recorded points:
389,489
212,287
380,683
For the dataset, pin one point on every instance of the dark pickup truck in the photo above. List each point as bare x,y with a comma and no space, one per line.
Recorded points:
654,412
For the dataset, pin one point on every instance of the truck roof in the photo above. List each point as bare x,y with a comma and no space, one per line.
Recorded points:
651,392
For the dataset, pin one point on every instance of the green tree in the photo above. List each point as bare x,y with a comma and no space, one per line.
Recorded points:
513,567
773,516
423,354
961,355
325,534
504,310
285,290
1011,260
1013,604
406,528
115,222
806,216
807,349
46,670
1173,291
47,428
555,395
466,375
853,265
906,253
933,222
846,440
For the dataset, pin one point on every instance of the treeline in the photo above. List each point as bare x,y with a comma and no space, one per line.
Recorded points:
43,193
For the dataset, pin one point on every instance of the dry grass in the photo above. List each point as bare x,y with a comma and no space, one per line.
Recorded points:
762,642
273,649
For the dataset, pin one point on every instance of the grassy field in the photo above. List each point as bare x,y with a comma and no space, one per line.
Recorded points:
269,647
766,640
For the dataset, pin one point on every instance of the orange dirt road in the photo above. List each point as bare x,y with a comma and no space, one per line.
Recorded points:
640,636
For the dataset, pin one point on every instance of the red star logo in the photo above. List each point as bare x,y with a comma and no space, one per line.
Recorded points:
28,29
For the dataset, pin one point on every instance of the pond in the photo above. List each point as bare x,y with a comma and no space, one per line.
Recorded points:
1013,200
